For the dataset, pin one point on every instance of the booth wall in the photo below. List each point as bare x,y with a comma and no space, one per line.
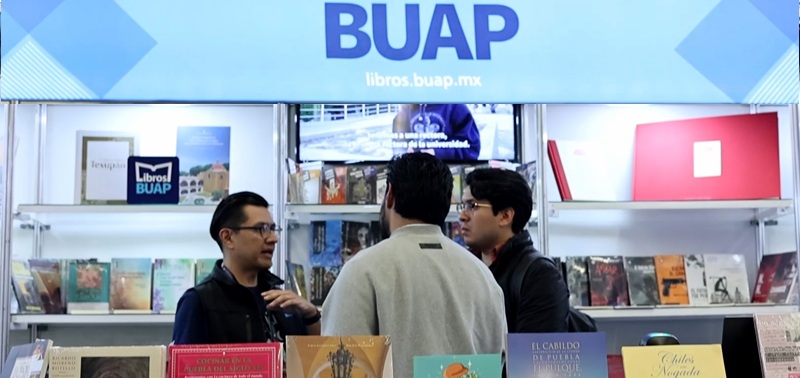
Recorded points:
103,235
592,232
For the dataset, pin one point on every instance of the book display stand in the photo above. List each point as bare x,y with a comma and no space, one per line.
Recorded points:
55,207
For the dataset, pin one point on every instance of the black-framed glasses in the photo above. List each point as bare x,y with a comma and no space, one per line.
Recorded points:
470,207
265,230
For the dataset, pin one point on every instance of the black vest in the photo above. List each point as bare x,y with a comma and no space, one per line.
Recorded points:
233,313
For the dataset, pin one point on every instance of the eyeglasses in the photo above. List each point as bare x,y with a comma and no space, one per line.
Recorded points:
470,207
265,230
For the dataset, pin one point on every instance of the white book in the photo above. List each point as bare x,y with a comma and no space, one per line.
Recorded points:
726,276
696,279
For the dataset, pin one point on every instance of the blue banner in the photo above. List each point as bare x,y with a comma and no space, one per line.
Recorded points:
153,180
508,51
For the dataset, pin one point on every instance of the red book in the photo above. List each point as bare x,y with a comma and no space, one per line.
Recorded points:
257,360
716,158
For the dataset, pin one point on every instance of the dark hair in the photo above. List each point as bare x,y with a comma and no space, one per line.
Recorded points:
230,212
422,185
503,189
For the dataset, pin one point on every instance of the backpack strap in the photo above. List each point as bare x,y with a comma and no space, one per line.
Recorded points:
522,269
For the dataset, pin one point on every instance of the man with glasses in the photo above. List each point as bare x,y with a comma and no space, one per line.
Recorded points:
424,291
496,206
241,300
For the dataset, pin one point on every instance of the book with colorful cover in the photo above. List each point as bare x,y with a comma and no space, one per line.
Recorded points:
458,366
171,278
671,275
325,356
47,274
131,285
27,360
25,288
88,287
254,360
205,154
697,361
202,268
558,355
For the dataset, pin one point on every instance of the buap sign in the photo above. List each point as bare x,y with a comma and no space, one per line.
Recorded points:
153,180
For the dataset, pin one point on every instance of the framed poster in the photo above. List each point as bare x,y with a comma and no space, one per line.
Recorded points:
101,174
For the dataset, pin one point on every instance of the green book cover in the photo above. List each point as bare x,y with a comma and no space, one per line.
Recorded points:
171,278
203,268
88,289
458,366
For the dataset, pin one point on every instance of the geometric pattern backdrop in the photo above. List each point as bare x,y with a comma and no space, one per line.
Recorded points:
734,51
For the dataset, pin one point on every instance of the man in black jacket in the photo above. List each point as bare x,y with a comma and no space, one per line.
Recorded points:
497,205
241,301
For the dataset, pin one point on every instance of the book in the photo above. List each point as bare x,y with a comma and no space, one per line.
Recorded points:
557,355
171,278
778,338
321,356
642,283
102,166
361,184
671,274
334,185
25,289
356,236
776,276
131,285
27,360
726,276
118,361
47,275
458,366
608,283
203,268
578,281
695,266
204,153
698,361
88,288
254,360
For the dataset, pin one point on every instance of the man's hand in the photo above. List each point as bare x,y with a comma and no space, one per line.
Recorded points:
289,302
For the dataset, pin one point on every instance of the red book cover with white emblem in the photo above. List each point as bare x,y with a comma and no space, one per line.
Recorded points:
715,158
257,360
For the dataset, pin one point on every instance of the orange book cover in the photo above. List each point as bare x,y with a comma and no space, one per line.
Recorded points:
334,356
334,185
671,275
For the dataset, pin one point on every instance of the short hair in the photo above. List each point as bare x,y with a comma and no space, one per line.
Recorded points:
503,189
230,212
422,186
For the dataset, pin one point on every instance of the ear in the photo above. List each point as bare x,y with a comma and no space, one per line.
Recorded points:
506,217
389,196
225,236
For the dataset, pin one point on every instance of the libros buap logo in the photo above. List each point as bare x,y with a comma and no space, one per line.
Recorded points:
153,180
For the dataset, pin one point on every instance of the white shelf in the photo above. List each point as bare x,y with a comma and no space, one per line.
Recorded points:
334,209
672,205
627,314
114,209
684,312
102,319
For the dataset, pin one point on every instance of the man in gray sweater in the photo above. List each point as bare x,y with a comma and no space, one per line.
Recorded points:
427,293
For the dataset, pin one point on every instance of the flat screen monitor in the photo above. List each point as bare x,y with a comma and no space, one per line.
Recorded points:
462,133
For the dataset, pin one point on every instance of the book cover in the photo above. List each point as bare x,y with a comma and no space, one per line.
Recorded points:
699,361
117,361
608,283
776,275
778,338
204,153
25,288
322,280
311,182
671,274
339,356
297,277
696,279
361,184
88,290
171,278
102,166
27,360
578,280
458,183
334,188
326,243
642,283
203,268
380,183
558,355
47,274
356,237
726,276
131,285
255,360
458,366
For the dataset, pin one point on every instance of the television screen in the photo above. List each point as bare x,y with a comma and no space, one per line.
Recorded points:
376,132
